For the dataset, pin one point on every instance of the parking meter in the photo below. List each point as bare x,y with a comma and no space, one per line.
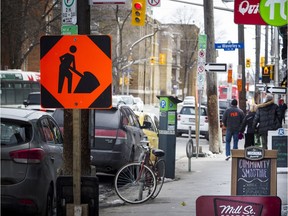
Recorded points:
167,131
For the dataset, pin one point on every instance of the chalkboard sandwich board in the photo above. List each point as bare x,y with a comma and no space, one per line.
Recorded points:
277,140
254,172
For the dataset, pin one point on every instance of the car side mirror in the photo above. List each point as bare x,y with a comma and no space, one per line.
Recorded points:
146,125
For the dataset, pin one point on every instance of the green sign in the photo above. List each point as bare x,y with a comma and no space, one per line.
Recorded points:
69,29
202,41
274,13
171,118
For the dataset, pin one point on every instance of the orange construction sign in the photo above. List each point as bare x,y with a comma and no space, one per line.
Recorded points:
76,71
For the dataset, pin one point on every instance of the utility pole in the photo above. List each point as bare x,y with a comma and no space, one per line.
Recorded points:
241,69
83,22
211,79
83,16
257,94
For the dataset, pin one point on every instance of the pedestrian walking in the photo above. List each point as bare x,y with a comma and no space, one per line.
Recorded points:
232,120
267,117
247,126
283,108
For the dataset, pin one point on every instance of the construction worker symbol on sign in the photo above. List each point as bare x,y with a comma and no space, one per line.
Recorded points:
76,71
88,82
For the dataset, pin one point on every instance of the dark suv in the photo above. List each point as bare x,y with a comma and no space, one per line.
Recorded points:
117,135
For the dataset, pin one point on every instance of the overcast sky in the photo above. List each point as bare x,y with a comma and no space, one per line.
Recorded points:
225,28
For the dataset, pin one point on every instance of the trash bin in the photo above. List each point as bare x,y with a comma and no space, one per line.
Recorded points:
89,194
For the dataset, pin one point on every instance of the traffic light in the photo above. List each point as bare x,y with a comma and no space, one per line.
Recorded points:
138,12
131,81
266,71
248,63
162,58
284,82
265,74
152,60
262,61
271,71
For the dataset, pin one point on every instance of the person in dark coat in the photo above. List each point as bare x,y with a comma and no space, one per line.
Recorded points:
232,120
267,117
246,126
283,108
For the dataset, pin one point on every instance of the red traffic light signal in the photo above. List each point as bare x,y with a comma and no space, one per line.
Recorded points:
138,6
138,12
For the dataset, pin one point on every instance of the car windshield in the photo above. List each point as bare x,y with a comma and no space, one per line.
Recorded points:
127,100
223,104
101,117
107,118
15,132
188,111
138,100
191,111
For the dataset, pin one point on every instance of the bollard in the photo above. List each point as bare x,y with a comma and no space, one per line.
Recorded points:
189,150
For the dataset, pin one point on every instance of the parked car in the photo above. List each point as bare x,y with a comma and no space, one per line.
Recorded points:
33,102
117,137
129,101
223,105
31,154
151,132
186,118
139,104
116,100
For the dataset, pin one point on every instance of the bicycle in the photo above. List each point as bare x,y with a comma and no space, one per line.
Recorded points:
137,182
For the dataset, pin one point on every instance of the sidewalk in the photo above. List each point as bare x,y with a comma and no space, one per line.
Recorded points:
209,175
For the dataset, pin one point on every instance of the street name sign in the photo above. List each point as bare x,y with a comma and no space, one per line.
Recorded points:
229,46
216,67
276,90
69,29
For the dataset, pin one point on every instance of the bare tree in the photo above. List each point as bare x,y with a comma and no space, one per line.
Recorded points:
189,42
22,25
114,20
212,98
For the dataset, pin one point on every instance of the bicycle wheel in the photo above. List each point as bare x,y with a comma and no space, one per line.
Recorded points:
159,170
135,183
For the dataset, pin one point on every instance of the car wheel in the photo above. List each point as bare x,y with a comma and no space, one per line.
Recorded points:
178,134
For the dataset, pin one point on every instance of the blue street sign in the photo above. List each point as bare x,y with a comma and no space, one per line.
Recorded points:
229,46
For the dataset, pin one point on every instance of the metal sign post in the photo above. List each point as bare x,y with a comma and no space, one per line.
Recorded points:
202,43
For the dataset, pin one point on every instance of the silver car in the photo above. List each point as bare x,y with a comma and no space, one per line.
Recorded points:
31,153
